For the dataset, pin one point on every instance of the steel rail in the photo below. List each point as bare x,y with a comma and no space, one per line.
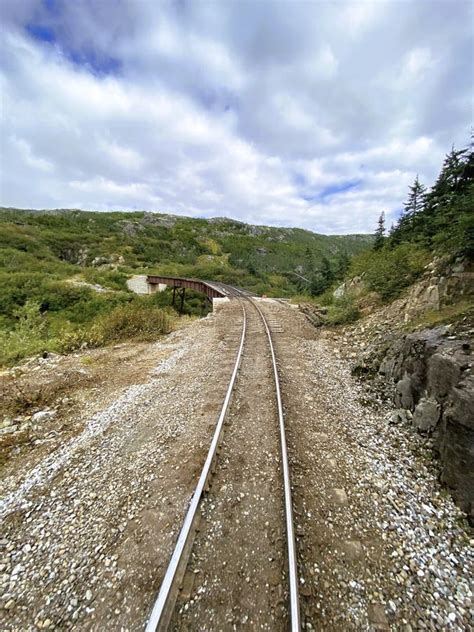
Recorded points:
295,622
165,601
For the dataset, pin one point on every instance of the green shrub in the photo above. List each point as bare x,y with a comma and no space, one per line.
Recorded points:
389,271
69,340
139,321
28,337
343,310
113,279
327,297
34,333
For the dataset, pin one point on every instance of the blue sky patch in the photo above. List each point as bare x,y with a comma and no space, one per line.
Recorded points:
299,179
334,189
217,99
41,33
340,188
100,65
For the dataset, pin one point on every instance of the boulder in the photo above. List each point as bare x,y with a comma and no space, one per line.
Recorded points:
42,416
444,372
404,393
399,416
456,446
430,373
354,286
461,404
427,414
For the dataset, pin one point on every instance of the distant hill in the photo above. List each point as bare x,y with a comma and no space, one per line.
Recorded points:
265,259
63,272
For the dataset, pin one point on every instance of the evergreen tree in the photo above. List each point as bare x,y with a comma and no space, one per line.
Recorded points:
405,229
317,285
416,198
326,271
379,235
446,202
309,261
448,180
342,265
443,218
322,279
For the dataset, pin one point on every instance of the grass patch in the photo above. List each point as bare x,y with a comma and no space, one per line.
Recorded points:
87,360
444,316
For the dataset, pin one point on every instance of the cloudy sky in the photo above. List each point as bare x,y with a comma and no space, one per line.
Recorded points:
313,114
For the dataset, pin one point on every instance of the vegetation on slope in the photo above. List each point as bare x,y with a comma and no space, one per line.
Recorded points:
435,222
46,255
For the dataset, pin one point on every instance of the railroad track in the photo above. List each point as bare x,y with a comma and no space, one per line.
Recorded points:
164,606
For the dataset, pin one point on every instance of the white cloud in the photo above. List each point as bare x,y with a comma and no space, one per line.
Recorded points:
318,116
417,61
29,158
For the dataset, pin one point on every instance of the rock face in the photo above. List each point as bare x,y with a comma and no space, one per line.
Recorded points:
433,380
440,285
354,286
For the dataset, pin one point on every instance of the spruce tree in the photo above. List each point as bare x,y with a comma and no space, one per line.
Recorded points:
414,207
441,212
309,264
322,279
416,198
448,180
342,265
326,271
379,235
443,218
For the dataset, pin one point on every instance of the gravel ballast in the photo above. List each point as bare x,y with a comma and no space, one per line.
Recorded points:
88,527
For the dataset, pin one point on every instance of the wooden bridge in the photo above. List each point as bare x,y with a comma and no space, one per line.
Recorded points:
210,289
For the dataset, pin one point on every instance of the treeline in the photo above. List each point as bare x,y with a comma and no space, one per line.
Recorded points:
435,222
441,218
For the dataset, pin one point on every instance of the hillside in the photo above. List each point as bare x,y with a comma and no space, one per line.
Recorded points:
47,258
223,247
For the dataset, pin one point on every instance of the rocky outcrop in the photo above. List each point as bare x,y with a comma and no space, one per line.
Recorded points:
426,375
156,219
131,229
442,284
433,386
354,286
111,261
